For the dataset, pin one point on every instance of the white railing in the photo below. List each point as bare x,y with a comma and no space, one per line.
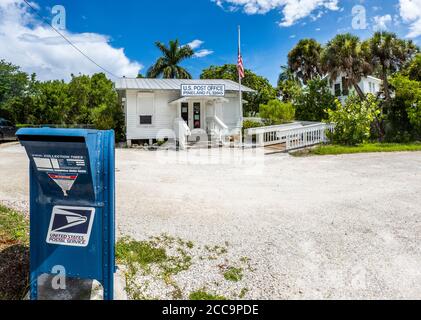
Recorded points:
308,136
294,135
182,131
216,127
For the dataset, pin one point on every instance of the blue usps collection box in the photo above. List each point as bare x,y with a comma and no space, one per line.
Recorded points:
72,204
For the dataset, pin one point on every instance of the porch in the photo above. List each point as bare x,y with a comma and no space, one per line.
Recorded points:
199,122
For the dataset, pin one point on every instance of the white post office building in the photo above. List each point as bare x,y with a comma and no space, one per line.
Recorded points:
184,110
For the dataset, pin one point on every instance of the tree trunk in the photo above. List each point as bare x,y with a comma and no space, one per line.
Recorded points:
359,91
386,85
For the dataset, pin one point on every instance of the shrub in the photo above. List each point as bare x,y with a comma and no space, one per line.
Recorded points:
277,112
312,102
353,120
405,111
248,124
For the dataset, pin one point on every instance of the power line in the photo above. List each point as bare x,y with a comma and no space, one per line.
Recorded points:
68,41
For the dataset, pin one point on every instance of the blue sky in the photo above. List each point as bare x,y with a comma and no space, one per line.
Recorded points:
120,35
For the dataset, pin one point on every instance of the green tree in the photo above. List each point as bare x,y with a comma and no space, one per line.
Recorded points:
304,60
288,86
79,89
344,55
168,66
413,69
264,90
388,54
93,100
277,112
406,105
49,104
354,119
313,101
15,89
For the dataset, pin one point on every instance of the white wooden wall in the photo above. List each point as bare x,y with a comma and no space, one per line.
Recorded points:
164,114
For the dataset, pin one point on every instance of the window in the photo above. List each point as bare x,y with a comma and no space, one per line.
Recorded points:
145,108
145,119
345,90
337,89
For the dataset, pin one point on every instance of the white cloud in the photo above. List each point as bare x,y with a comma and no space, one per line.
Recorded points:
195,44
292,10
36,47
203,53
382,22
410,11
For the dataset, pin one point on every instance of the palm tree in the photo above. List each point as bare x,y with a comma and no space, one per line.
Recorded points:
167,66
304,60
388,54
344,55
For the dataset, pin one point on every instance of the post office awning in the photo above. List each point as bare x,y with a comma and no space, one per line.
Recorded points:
205,98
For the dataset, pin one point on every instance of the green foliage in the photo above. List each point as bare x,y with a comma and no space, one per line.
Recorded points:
85,100
288,85
168,66
277,112
304,60
407,102
313,100
142,252
13,226
205,296
354,119
14,249
387,54
344,54
15,91
265,91
248,124
233,274
413,71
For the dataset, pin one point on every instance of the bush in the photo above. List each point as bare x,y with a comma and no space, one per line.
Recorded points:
248,124
405,111
277,112
312,102
354,119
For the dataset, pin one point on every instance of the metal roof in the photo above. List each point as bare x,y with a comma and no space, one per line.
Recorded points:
173,84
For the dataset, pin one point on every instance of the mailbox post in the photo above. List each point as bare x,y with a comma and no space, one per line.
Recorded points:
72,204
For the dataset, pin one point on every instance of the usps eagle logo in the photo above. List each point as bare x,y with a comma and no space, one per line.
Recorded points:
70,226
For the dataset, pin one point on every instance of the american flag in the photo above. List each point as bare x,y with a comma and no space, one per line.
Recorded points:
240,66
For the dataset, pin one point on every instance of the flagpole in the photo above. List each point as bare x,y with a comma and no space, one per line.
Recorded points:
239,77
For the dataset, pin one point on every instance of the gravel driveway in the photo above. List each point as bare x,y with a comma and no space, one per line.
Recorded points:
334,227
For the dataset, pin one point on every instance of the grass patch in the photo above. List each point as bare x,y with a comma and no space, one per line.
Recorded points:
14,228
203,295
160,258
362,148
14,254
243,293
233,274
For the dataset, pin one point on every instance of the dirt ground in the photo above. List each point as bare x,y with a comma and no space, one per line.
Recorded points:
334,227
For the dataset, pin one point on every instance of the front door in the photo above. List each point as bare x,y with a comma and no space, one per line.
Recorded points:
191,113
